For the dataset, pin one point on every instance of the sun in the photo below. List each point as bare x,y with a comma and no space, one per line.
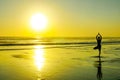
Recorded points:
38,22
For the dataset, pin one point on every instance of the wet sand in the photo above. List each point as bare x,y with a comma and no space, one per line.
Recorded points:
60,63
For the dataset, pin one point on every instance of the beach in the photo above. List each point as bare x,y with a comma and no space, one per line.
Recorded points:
59,59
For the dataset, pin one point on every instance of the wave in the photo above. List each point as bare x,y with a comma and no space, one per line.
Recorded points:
46,47
57,43
4,41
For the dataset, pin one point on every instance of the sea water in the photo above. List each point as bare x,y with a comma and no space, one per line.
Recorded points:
59,59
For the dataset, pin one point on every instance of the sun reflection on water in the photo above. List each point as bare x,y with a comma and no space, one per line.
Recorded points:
39,57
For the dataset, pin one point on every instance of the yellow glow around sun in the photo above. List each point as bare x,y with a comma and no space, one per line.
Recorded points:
38,22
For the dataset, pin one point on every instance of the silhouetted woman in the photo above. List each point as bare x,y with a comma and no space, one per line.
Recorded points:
99,39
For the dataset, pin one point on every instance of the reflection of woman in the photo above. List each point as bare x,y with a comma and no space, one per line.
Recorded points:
98,38
99,67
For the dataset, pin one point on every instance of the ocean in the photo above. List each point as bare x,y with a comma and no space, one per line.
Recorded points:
59,59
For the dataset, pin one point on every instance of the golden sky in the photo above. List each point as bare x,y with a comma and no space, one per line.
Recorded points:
66,18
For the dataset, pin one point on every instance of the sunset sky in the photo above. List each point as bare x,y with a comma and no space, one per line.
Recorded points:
66,18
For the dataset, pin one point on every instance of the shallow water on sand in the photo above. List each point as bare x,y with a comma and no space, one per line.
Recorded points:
59,59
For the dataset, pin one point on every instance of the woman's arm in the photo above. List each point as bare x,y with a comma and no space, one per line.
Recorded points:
98,36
